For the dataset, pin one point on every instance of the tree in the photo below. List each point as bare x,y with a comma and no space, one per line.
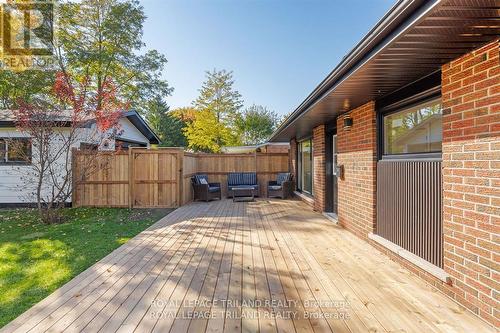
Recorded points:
206,133
102,39
94,40
23,86
166,124
218,108
283,119
53,131
185,114
218,95
256,124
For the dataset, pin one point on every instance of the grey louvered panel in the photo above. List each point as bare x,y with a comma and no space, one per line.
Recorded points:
409,206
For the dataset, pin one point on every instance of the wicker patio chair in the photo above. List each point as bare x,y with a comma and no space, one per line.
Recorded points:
281,187
203,190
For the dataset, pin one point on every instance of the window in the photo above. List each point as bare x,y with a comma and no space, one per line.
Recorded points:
3,150
125,144
15,150
305,164
88,146
415,130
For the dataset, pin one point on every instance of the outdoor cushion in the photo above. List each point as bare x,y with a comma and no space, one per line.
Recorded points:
198,178
213,189
233,179
275,187
249,179
242,178
203,181
282,177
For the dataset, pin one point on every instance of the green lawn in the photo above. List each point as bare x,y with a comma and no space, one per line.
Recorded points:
36,259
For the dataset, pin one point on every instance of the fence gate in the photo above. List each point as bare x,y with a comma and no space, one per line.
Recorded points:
155,178
134,178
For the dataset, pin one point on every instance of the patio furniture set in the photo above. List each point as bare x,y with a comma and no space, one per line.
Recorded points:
241,186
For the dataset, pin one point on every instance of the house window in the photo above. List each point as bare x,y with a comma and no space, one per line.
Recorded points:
15,150
3,151
88,146
305,166
125,144
418,129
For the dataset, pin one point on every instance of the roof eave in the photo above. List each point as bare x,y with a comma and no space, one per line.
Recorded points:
142,126
355,57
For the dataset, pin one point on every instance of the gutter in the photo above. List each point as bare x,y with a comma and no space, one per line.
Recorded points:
378,37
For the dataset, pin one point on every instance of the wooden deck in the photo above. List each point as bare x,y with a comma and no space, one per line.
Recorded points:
269,266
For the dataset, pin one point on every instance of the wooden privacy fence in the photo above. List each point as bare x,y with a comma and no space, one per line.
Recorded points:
217,167
143,178
132,178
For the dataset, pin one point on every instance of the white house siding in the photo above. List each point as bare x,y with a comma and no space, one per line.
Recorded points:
130,132
17,182
11,189
431,134
14,187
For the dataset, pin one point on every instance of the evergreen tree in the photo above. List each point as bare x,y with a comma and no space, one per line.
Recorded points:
166,125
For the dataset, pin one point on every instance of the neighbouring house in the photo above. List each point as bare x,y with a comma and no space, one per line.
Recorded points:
267,147
400,144
134,132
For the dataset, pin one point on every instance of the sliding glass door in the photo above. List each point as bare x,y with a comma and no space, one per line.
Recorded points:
305,164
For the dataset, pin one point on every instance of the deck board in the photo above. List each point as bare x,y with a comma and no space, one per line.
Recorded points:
203,255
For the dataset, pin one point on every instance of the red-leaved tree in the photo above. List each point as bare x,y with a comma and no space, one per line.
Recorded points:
73,116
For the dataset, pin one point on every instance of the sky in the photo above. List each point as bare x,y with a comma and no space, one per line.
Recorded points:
278,50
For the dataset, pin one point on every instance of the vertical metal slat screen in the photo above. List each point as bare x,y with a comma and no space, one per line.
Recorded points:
409,207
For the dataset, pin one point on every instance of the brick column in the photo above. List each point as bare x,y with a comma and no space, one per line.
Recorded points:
293,161
319,160
471,183
357,149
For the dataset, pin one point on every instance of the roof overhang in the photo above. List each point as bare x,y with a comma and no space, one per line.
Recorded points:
12,123
143,127
413,40
134,117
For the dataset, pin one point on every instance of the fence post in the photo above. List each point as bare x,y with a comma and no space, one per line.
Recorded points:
73,178
180,175
130,178
255,162
259,180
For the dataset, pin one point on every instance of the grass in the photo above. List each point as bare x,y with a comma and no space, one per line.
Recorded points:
36,259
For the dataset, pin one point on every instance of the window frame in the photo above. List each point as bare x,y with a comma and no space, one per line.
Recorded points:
129,143
5,159
401,105
299,167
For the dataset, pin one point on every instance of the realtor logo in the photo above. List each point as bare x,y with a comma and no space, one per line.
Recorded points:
27,34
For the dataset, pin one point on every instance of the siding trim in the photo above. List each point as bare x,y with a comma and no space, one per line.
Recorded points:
414,259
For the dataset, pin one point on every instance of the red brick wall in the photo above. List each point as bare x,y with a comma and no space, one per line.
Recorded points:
293,161
471,179
357,153
319,175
